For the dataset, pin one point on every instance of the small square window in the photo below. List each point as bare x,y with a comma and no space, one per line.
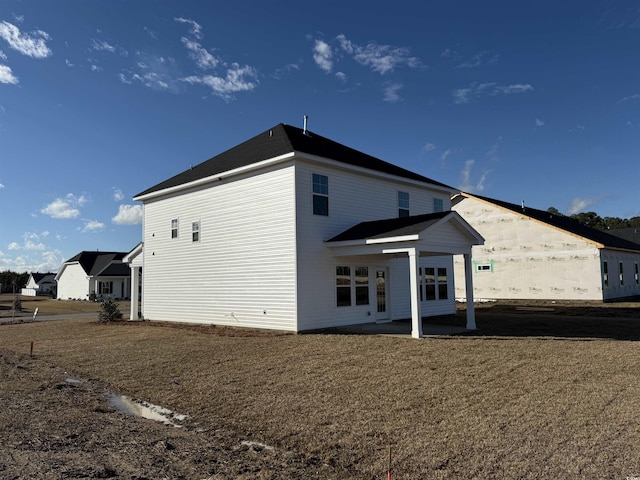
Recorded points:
438,205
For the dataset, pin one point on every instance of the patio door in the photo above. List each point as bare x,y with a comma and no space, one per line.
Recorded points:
382,302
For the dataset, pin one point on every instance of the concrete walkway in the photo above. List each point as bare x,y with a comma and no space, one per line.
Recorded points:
400,328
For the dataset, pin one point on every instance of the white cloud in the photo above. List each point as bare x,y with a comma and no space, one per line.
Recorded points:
1,186
68,63
128,215
579,204
391,94
117,194
195,30
428,147
539,123
3,56
480,59
33,45
91,226
150,32
630,98
102,46
475,91
96,68
322,54
445,154
380,58
65,207
466,184
199,54
13,246
7,76
341,76
238,79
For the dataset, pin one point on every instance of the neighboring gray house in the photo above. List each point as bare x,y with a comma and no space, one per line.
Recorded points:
293,231
100,273
40,284
533,254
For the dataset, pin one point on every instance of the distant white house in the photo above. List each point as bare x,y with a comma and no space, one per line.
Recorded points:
533,254
88,273
293,231
40,284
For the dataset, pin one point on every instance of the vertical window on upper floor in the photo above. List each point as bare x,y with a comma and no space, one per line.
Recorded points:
403,204
174,228
621,274
320,195
438,205
637,278
195,231
605,274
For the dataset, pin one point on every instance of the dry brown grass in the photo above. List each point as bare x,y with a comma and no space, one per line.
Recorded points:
48,306
499,404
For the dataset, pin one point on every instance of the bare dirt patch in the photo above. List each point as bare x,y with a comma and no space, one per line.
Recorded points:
496,404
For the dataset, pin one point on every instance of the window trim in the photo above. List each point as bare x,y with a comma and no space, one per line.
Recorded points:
320,193
350,278
176,228
195,231
404,204
438,205
605,274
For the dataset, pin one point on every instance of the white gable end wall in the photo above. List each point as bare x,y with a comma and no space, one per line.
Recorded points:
73,283
526,259
241,272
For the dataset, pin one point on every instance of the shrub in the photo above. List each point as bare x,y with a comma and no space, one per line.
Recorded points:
109,311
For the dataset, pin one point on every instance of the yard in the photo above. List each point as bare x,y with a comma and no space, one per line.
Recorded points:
543,392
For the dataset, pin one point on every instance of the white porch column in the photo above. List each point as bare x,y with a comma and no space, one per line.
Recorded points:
416,316
135,284
468,281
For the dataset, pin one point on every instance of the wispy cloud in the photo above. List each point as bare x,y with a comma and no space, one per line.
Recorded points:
92,226
154,72
128,215
630,98
32,44
237,79
199,54
480,59
539,123
117,194
322,55
579,204
150,32
466,183
195,30
428,147
102,46
65,208
391,92
7,76
490,89
380,58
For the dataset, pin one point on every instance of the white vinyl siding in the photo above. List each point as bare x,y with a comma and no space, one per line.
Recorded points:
242,271
73,283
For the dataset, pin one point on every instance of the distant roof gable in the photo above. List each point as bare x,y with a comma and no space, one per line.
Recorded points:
43,277
281,140
562,222
93,263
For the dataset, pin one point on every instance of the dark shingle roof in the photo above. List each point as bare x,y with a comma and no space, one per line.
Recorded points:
567,224
95,262
38,277
632,234
392,227
280,140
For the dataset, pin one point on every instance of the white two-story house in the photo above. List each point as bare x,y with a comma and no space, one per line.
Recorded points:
293,231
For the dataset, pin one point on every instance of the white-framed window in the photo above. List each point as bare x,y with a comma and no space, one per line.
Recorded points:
434,283
352,286
105,288
174,228
403,204
636,276
195,231
438,205
484,267
605,274
320,194
621,273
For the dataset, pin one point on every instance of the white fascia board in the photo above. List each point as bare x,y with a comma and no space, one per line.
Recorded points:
213,178
403,238
372,173
129,257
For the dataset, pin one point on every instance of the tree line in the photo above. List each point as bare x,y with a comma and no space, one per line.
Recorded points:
593,220
9,280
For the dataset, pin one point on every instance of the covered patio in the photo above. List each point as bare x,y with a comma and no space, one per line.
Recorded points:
435,234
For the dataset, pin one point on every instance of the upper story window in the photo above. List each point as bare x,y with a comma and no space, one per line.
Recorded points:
320,195
438,205
621,274
605,274
403,204
174,228
637,277
195,232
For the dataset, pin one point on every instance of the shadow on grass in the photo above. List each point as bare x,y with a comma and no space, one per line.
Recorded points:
555,322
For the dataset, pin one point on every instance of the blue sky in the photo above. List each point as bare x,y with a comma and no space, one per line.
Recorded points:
99,100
